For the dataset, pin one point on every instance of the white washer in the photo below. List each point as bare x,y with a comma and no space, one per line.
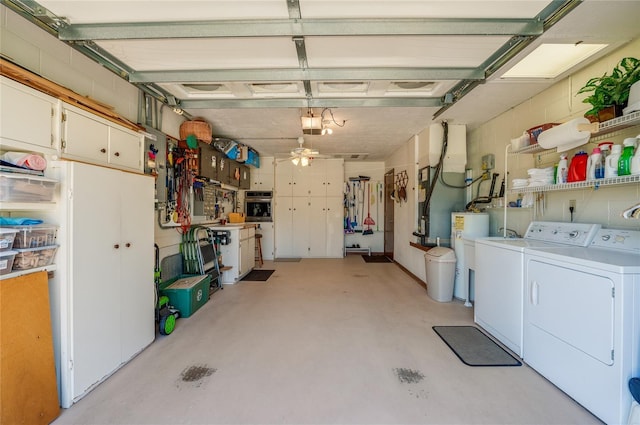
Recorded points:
582,320
499,276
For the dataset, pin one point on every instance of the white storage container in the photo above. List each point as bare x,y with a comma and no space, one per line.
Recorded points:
34,236
7,237
6,261
440,263
15,187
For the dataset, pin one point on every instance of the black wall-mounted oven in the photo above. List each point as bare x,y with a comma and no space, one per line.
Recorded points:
257,206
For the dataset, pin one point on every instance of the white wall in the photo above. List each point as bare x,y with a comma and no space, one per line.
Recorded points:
405,213
374,170
556,104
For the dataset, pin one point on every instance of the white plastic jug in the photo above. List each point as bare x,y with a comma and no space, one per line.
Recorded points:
611,163
595,166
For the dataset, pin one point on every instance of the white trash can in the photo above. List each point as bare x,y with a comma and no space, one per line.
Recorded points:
440,264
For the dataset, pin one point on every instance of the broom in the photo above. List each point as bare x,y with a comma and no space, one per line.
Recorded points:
368,221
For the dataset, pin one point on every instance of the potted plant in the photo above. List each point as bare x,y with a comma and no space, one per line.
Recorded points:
609,93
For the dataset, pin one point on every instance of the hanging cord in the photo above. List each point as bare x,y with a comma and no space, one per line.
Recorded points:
427,202
333,120
452,186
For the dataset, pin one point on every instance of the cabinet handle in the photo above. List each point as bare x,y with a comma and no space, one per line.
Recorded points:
103,150
128,245
534,292
116,246
117,154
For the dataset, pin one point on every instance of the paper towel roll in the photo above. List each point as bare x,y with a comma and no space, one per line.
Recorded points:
565,136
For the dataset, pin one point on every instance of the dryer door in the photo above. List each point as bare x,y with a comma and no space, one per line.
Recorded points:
575,307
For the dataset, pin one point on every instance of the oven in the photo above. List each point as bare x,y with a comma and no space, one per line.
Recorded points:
258,206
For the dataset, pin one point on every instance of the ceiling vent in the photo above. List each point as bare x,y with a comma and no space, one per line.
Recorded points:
412,86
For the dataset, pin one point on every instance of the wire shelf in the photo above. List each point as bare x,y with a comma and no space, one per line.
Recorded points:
578,185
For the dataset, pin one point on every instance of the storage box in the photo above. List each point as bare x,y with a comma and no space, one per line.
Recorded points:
236,217
34,236
15,187
187,293
534,132
7,237
30,258
6,261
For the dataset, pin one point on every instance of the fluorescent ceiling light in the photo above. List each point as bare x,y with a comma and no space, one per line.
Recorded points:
551,60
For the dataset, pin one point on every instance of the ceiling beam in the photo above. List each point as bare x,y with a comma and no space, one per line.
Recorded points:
300,28
424,102
315,74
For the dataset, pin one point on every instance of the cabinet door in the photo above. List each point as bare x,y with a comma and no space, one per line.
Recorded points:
301,178
335,227
315,180
334,177
223,168
137,320
209,161
316,227
27,115
282,177
125,149
84,137
266,242
234,173
300,227
95,275
245,177
283,216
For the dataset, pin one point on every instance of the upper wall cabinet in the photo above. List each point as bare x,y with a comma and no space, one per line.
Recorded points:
89,138
29,118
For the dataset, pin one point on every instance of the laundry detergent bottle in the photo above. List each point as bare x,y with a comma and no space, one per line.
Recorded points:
635,161
624,162
578,167
611,163
595,168
562,169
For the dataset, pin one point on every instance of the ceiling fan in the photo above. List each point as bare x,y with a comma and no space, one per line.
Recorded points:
302,155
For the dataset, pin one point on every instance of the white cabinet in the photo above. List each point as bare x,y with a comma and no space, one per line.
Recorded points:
266,242
89,138
309,227
239,254
28,116
108,295
308,213
247,251
262,178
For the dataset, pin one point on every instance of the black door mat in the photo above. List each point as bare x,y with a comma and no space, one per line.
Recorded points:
258,275
287,260
376,259
475,348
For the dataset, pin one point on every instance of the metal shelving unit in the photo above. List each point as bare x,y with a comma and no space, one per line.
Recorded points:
605,129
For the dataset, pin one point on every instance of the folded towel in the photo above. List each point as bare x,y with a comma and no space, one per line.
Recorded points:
18,221
27,160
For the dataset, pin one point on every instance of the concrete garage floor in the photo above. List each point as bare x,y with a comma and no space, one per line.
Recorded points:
323,341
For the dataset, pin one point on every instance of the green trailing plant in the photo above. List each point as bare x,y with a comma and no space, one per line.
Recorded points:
611,90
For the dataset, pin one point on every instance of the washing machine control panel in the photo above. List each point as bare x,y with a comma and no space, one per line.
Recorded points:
574,234
624,240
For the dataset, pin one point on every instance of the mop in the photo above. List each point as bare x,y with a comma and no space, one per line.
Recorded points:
368,221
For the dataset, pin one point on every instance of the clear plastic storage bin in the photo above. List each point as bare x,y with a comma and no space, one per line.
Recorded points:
6,261
34,257
6,238
34,236
15,187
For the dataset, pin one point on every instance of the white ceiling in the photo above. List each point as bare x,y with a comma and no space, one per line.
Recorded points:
253,68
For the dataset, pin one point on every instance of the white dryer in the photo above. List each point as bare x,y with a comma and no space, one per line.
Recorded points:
582,320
